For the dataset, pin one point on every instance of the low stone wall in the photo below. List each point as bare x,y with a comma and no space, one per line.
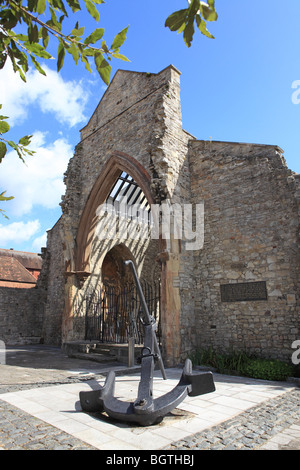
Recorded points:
21,315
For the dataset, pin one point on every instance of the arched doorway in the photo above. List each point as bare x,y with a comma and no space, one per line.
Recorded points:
114,310
114,273
82,279
120,231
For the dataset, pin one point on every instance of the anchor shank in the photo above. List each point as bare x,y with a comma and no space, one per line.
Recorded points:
145,390
147,317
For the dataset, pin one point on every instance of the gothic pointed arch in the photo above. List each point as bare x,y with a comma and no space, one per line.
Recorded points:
119,162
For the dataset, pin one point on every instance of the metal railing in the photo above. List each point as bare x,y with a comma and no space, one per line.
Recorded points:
112,314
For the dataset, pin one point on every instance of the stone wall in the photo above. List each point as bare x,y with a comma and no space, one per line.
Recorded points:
251,225
21,315
251,234
34,315
52,281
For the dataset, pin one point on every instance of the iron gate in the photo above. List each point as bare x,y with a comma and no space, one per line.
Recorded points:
112,314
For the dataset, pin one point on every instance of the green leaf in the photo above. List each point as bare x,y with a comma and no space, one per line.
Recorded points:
22,75
12,144
25,140
12,58
16,148
32,5
45,37
59,5
103,67
202,27
74,5
119,39
120,56
189,33
21,37
193,8
4,127
208,13
177,19
86,63
4,198
3,150
87,52
92,10
37,65
73,50
41,7
104,47
10,17
38,50
211,4
33,33
24,62
95,36
60,55
78,32
3,58
53,22
3,117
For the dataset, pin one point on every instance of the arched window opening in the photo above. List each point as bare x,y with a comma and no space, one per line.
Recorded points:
128,199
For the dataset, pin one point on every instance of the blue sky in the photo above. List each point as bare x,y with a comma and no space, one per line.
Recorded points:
237,87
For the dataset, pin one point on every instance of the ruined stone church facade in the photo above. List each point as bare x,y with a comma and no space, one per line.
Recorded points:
239,289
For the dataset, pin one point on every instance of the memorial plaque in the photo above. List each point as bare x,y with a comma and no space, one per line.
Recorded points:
244,291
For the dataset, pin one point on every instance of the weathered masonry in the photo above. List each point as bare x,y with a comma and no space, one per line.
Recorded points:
238,289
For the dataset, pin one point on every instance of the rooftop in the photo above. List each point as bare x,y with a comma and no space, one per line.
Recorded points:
12,270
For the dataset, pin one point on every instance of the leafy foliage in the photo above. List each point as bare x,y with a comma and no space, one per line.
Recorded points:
243,364
197,12
19,48
42,22
267,369
20,148
4,198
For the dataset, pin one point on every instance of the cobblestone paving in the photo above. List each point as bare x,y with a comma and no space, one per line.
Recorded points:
250,430
21,431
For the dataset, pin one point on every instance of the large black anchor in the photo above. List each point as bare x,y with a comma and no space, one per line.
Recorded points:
146,410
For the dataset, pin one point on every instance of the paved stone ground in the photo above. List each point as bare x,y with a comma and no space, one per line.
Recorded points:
35,367
273,424
254,429
266,426
20,431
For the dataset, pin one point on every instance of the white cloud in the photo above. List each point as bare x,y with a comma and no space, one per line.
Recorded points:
39,242
18,232
39,182
65,99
